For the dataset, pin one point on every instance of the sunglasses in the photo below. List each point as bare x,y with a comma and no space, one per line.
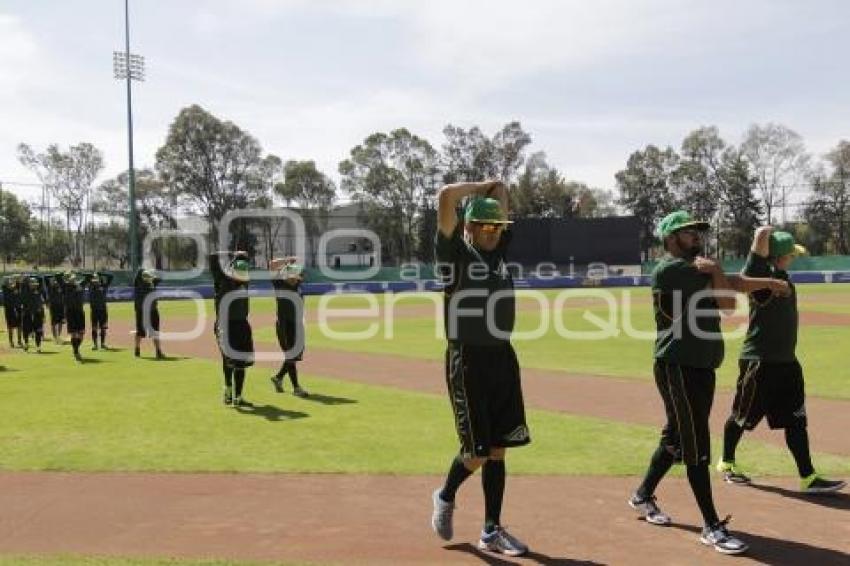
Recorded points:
489,227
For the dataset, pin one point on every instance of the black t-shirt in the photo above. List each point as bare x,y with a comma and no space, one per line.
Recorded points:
141,290
287,310
97,293
239,307
32,300
11,298
471,278
772,334
675,281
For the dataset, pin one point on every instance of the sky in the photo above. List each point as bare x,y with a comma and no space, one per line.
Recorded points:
591,81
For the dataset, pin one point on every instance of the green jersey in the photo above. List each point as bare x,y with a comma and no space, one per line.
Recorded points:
685,337
772,334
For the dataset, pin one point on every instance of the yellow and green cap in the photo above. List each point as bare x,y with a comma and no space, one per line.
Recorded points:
782,243
486,210
679,220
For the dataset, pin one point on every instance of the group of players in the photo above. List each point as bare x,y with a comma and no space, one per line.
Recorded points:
689,292
64,295
26,295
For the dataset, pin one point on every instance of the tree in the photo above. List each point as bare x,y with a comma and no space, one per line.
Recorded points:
469,155
741,208
645,189
212,165
48,244
69,177
312,191
828,209
393,177
542,192
156,206
698,181
14,226
779,161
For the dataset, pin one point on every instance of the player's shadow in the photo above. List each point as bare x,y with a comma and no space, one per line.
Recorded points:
768,550
271,413
835,500
46,353
95,361
530,558
329,399
163,358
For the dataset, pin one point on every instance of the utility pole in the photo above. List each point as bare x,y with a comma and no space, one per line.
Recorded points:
131,68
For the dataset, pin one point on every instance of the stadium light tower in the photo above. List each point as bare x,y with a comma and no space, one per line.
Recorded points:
130,68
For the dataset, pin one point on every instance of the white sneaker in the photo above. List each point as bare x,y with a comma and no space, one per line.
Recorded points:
503,542
718,537
443,517
649,510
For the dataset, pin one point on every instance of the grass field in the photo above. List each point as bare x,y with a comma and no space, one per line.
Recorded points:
122,414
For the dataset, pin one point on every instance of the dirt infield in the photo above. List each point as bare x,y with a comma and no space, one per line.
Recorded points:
625,400
351,519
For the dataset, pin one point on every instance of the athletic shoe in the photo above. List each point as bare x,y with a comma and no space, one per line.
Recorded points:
228,396
240,402
442,521
503,542
94,347
649,510
277,383
817,484
78,357
732,473
160,355
298,392
26,347
137,352
718,537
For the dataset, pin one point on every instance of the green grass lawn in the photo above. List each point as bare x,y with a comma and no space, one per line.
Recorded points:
420,337
122,414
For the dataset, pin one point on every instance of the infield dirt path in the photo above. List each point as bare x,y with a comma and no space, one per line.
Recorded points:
351,519
625,400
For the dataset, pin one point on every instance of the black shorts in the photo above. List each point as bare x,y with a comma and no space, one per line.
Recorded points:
771,389
239,338
76,320
32,321
143,332
486,397
100,318
57,315
289,332
687,394
13,318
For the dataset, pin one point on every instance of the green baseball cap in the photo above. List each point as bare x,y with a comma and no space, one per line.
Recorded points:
782,243
679,220
486,210
239,270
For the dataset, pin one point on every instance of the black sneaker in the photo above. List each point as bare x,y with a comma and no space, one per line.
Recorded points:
78,357
301,393
137,353
228,396
160,355
277,383
240,402
816,484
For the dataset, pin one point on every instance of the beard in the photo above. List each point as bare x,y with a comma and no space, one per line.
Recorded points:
690,253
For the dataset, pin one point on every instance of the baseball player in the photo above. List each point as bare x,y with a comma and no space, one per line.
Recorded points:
688,291
73,295
232,329
56,305
12,309
290,325
97,302
482,371
770,382
144,284
32,311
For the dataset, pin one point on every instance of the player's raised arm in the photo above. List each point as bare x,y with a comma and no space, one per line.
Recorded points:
449,198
